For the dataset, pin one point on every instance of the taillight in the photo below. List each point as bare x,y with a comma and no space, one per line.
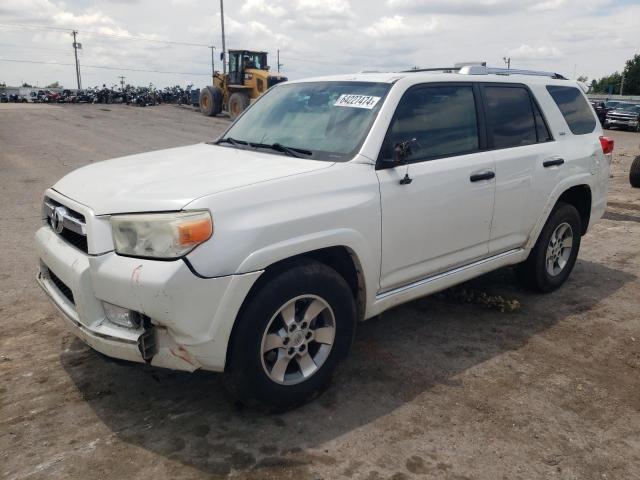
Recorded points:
607,145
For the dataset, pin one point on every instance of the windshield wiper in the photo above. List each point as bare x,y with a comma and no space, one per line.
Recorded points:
232,141
293,151
278,147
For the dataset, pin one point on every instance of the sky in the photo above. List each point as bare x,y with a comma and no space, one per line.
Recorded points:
315,37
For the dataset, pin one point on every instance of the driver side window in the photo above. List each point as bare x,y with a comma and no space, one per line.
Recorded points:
437,121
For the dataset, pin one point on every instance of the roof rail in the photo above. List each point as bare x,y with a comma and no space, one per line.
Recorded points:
434,69
482,70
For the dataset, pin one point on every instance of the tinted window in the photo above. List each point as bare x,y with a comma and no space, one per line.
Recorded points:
441,119
541,127
574,108
510,116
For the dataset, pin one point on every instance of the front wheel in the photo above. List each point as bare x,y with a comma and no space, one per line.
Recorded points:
553,256
290,337
238,102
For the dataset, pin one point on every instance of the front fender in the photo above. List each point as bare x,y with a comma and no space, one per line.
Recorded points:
261,224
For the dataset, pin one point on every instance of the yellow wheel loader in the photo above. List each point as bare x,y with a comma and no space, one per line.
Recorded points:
248,78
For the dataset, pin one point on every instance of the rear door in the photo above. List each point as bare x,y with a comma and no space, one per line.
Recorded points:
440,216
531,158
527,162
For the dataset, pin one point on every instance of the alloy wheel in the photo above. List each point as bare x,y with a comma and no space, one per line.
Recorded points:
559,249
298,339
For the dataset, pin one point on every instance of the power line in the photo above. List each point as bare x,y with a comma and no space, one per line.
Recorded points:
103,34
319,61
31,47
103,67
144,39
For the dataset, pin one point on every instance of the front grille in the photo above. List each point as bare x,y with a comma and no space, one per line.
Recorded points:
71,225
625,118
62,287
75,239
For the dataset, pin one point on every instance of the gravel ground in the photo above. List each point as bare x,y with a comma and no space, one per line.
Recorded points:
484,381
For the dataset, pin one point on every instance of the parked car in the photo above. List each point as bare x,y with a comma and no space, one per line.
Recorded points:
601,111
612,104
327,202
4,98
625,115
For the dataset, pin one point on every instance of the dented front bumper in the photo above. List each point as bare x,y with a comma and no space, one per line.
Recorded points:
188,319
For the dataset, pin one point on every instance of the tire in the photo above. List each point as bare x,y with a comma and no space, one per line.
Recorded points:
542,273
238,102
271,377
210,101
634,173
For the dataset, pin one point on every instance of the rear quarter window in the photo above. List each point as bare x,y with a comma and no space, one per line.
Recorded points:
574,108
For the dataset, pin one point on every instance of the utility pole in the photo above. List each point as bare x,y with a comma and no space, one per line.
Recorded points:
76,46
622,84
279,64
507,60
121,81
224,47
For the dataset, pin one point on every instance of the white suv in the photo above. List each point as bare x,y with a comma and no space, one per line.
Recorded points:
327,202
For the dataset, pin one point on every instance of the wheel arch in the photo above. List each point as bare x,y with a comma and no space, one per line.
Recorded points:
580,197
340,258
578,193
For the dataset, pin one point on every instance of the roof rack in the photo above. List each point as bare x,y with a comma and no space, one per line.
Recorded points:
479,69
482,70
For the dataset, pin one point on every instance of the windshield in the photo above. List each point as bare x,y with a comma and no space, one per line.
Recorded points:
328,120
629,107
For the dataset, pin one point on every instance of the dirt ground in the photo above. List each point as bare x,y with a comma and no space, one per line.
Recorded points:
467,384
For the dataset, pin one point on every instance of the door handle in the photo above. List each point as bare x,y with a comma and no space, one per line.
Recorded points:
554,162
478,176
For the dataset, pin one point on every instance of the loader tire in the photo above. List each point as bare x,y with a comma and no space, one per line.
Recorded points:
210,101
238,102
634,173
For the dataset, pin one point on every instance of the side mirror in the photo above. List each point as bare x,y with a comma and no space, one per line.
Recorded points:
402,150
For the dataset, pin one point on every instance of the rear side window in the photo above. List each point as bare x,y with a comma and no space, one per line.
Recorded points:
574,109
510,116
441,119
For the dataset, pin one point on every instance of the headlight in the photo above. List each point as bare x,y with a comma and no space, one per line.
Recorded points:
160,235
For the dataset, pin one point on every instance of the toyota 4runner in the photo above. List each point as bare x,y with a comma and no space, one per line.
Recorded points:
328,201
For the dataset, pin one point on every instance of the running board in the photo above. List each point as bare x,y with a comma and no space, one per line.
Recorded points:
440,276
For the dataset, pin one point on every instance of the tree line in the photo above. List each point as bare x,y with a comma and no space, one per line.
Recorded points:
612,83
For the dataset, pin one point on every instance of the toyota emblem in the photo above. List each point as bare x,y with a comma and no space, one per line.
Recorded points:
57,219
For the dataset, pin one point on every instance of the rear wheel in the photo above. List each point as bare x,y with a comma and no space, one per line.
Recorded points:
634,173
290,336
238,102
552,258
211,101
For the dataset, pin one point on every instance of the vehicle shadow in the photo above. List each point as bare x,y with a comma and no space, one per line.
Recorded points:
396,358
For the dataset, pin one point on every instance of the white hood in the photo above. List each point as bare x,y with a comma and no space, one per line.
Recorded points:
170,179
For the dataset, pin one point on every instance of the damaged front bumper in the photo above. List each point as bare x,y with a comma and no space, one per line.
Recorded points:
187,320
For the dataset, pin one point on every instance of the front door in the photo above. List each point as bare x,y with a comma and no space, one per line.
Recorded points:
442,218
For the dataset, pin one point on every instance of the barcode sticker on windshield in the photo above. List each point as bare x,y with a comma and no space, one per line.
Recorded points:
357,101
